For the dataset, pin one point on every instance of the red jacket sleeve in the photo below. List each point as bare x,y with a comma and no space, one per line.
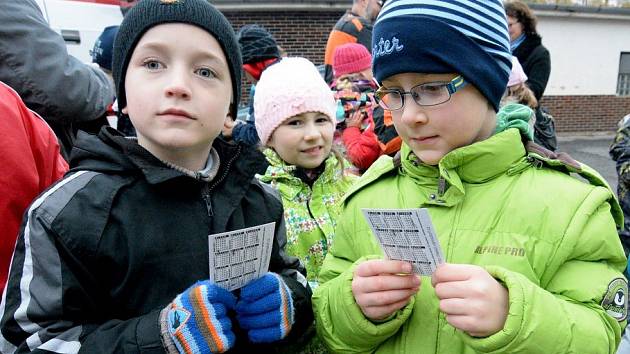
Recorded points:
362,147
31,162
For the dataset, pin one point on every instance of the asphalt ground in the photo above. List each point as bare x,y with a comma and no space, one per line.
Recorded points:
592,150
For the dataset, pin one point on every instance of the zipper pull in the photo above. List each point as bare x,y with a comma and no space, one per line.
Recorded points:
206,198
441,186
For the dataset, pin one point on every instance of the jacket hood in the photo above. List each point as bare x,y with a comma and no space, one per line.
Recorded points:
104,152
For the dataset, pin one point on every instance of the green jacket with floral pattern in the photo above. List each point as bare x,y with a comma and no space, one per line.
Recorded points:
310,213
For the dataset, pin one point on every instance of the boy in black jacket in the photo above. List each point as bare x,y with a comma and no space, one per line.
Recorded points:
114,258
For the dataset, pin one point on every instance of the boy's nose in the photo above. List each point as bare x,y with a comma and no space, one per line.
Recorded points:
412,113
178,87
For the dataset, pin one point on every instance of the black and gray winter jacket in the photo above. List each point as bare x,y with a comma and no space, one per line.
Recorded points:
104,250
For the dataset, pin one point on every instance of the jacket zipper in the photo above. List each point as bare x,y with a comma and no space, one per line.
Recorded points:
207,190
441,186
324,242
205,194
448,253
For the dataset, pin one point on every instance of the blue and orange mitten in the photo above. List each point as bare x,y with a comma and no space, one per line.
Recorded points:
197,320
265,309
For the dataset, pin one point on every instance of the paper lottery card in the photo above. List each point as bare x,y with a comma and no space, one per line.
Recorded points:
238,257
407,235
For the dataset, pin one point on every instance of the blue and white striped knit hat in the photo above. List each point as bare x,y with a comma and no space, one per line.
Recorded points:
467,37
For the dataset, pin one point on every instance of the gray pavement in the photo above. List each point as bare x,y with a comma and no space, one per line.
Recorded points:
593,151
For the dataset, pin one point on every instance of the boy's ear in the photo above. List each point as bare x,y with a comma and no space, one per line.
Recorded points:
125,110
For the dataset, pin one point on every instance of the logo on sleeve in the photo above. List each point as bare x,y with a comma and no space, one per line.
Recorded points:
615,301
177,317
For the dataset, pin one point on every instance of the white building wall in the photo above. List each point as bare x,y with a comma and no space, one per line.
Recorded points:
585,51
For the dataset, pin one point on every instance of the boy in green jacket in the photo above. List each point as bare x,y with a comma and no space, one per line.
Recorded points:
533,261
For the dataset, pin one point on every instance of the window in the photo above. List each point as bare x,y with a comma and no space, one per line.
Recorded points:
623,82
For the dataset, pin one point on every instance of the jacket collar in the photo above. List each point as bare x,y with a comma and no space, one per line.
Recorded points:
476,163
241,162
280,173
525,49
503,153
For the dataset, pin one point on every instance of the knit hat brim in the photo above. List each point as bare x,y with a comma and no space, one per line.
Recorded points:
281,111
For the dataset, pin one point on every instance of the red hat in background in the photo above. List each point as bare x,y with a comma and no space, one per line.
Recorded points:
351,58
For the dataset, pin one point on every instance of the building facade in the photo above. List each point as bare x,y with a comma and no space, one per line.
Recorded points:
589,86
590,52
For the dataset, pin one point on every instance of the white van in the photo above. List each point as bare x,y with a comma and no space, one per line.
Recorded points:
80,22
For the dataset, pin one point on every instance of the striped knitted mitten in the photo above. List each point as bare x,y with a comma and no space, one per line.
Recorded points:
265,309
197,322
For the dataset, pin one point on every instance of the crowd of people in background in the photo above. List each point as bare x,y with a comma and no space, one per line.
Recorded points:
121,169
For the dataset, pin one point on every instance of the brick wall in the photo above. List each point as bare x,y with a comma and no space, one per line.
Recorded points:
587,113
304,33
299,33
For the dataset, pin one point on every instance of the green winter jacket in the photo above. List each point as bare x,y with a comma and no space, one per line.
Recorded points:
549,238
310,214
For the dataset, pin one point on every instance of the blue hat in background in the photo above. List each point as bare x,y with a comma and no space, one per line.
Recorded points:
104,48
469,38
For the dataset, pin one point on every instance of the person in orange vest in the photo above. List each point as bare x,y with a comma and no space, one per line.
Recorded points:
355,26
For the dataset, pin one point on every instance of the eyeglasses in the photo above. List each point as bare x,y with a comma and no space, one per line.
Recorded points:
427,94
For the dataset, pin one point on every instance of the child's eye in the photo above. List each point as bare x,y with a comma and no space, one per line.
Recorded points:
153,65
322,119
295,122
432,88
205,72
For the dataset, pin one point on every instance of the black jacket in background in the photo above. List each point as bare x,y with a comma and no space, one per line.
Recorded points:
536,62
103,251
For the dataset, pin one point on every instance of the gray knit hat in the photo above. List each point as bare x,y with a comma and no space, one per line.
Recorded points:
150,13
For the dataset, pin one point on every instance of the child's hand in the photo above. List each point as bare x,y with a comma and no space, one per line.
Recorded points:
198,318
472,300
265,309
355,118
382,287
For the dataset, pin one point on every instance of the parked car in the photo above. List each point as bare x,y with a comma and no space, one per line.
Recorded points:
80,22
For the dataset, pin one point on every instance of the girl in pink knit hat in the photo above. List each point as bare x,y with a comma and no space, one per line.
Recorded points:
295,120
517,91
